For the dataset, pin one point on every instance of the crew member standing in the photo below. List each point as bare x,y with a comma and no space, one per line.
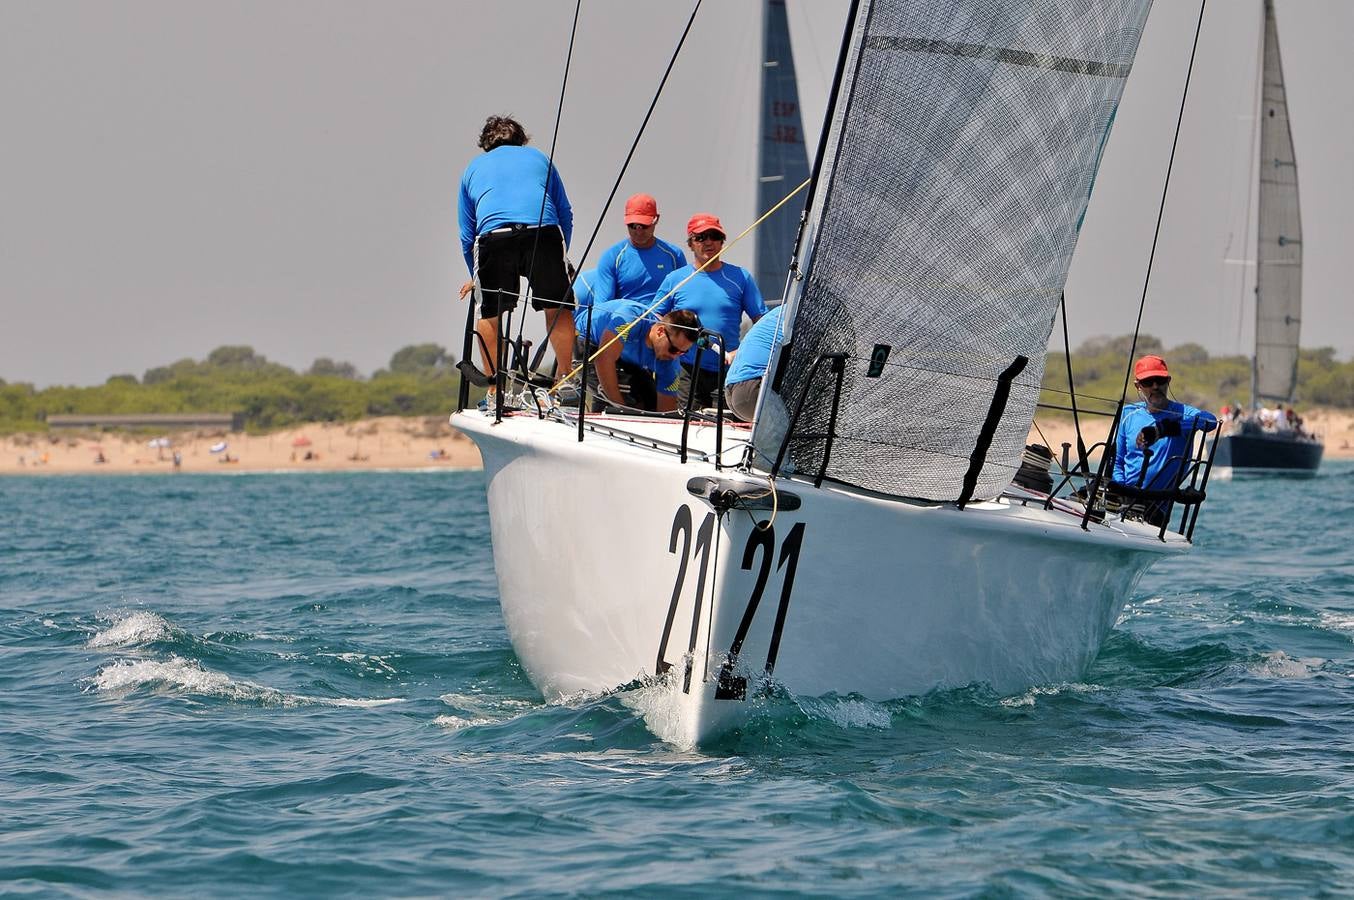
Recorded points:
632,269
516,221
719,294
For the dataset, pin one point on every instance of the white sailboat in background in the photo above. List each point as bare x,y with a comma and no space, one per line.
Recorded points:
865,537
1252,446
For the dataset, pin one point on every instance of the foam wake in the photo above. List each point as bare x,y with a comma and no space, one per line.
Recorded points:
186,676
130,629
473,710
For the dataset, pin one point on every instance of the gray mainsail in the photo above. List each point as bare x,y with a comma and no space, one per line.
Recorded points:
1278,253
964,144
782,161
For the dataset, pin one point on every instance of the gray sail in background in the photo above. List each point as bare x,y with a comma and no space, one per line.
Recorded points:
782,159
963,147
1278,255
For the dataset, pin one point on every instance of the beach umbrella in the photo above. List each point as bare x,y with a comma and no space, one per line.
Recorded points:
158,442
218,447
301,441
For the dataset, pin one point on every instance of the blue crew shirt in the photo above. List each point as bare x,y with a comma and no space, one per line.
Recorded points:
1167,452
754,354
625,272
585,295
720,298
635,347
504,187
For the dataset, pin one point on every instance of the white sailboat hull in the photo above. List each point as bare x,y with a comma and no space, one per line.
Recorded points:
602,553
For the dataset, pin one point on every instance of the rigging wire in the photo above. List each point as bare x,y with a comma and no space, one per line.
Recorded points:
550,168
1071,387
1165,188
601,218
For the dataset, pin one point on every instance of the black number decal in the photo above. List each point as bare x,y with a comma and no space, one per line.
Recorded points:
703,540
733,687
789,551
681,524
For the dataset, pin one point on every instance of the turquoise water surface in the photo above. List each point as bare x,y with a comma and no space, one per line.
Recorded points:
301,685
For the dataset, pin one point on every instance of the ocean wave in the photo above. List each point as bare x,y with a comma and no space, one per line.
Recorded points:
187,676
130,629
1337,621
1049,690
847,712
364,662
456,723
1278,664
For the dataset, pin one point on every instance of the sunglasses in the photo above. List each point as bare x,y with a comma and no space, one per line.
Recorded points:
708,236
1154,382
636,226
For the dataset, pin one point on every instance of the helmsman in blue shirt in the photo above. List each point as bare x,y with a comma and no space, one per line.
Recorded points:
1163,427
719,294
516,221
633,269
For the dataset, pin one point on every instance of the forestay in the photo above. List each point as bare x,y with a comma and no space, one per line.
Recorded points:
1278,296
958,165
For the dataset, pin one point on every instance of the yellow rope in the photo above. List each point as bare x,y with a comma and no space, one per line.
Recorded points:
625,329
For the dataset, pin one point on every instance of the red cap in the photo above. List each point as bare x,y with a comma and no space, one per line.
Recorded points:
704,222
1150,367
641,209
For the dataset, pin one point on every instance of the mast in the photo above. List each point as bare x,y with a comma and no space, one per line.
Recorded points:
782,158
1278,255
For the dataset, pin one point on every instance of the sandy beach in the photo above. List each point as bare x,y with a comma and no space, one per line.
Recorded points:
382,443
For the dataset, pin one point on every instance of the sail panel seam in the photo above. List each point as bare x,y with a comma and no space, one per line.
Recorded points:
999,54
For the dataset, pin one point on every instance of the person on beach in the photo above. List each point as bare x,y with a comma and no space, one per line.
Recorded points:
1155,436
743,384
633,268
719,294
516,221
645,347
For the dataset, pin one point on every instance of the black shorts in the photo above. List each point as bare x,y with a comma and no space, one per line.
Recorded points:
505,255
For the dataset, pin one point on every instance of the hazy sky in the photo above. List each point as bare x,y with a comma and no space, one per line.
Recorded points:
179,175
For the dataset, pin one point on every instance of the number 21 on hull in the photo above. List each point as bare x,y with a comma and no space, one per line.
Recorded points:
693,545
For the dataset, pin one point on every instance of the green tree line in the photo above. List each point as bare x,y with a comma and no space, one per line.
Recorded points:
421,380
1209,382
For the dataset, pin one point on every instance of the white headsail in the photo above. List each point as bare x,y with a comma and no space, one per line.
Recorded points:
958,166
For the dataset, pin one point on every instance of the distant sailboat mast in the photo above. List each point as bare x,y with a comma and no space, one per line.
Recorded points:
1278,287
782,160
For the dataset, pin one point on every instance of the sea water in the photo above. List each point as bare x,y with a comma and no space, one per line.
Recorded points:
301,685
